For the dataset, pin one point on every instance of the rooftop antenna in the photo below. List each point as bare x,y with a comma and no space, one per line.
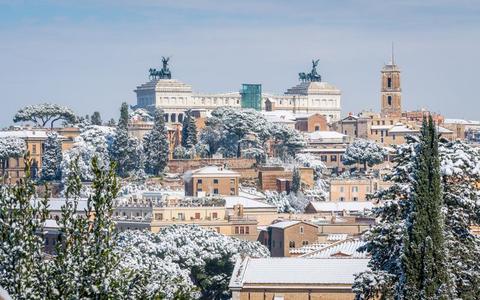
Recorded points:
393,55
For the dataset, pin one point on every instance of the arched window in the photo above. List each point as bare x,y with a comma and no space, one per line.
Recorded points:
389,82
165,117
389,100
173,118
291,244
180,118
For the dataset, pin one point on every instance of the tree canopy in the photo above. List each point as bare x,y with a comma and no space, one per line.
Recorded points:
41,114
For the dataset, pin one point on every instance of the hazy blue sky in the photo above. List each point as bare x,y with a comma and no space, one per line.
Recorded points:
91,55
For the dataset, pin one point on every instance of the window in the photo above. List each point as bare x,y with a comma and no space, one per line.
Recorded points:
317,128
389,100
302,230
34,149
304,243
333,158
215,181
215,215
323,158
197,216
199,181
342,199
342,189
247,230
355,198
236,230
215,191
273,244
354,189
181,216
383,122
291,244
158,216
242,230
389,82
232,191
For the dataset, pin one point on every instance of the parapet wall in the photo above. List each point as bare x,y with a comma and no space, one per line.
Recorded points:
241,165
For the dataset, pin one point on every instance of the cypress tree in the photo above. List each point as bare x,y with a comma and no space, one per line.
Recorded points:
156,145
52,158
424,253
296,180
120,147
189,130
96,118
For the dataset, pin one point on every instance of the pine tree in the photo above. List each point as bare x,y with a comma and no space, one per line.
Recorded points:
23,272
52,158
189,130
96,118
424,251
156,145
296,180
120,147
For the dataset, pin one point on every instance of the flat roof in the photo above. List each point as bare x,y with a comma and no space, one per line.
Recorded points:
288,270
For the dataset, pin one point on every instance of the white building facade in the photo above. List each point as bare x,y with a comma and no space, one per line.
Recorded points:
174,97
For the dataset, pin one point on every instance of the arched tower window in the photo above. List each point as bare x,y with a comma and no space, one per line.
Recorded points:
389,100
389,82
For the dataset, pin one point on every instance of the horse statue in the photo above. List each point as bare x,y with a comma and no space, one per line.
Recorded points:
313,75
302,76
164,73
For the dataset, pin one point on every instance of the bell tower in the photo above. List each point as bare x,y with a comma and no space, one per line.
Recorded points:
391,92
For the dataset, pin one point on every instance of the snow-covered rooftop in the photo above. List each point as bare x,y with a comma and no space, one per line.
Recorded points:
461,121
342,249
321,135
401,128
215,171
231,201
49,223
41,134
284,224
55,204
330,206
296,271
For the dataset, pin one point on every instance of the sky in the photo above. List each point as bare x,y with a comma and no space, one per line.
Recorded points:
91,55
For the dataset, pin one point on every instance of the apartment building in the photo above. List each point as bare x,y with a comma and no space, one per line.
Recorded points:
211,181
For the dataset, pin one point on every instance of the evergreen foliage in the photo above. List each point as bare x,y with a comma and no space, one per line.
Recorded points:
41,114
156,147
189,130
52,158
23,272
11,147
120,148
96,118
423,256
364,152
460,174
296,180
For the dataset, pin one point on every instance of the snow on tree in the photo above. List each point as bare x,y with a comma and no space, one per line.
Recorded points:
200,260
227,128
296,180
364,152
121,146
23,271
141,114
96,118
189,130
320,190
94,141
460,170
156,146
423,258
52,157
287,203
41,114
288,141
11,147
